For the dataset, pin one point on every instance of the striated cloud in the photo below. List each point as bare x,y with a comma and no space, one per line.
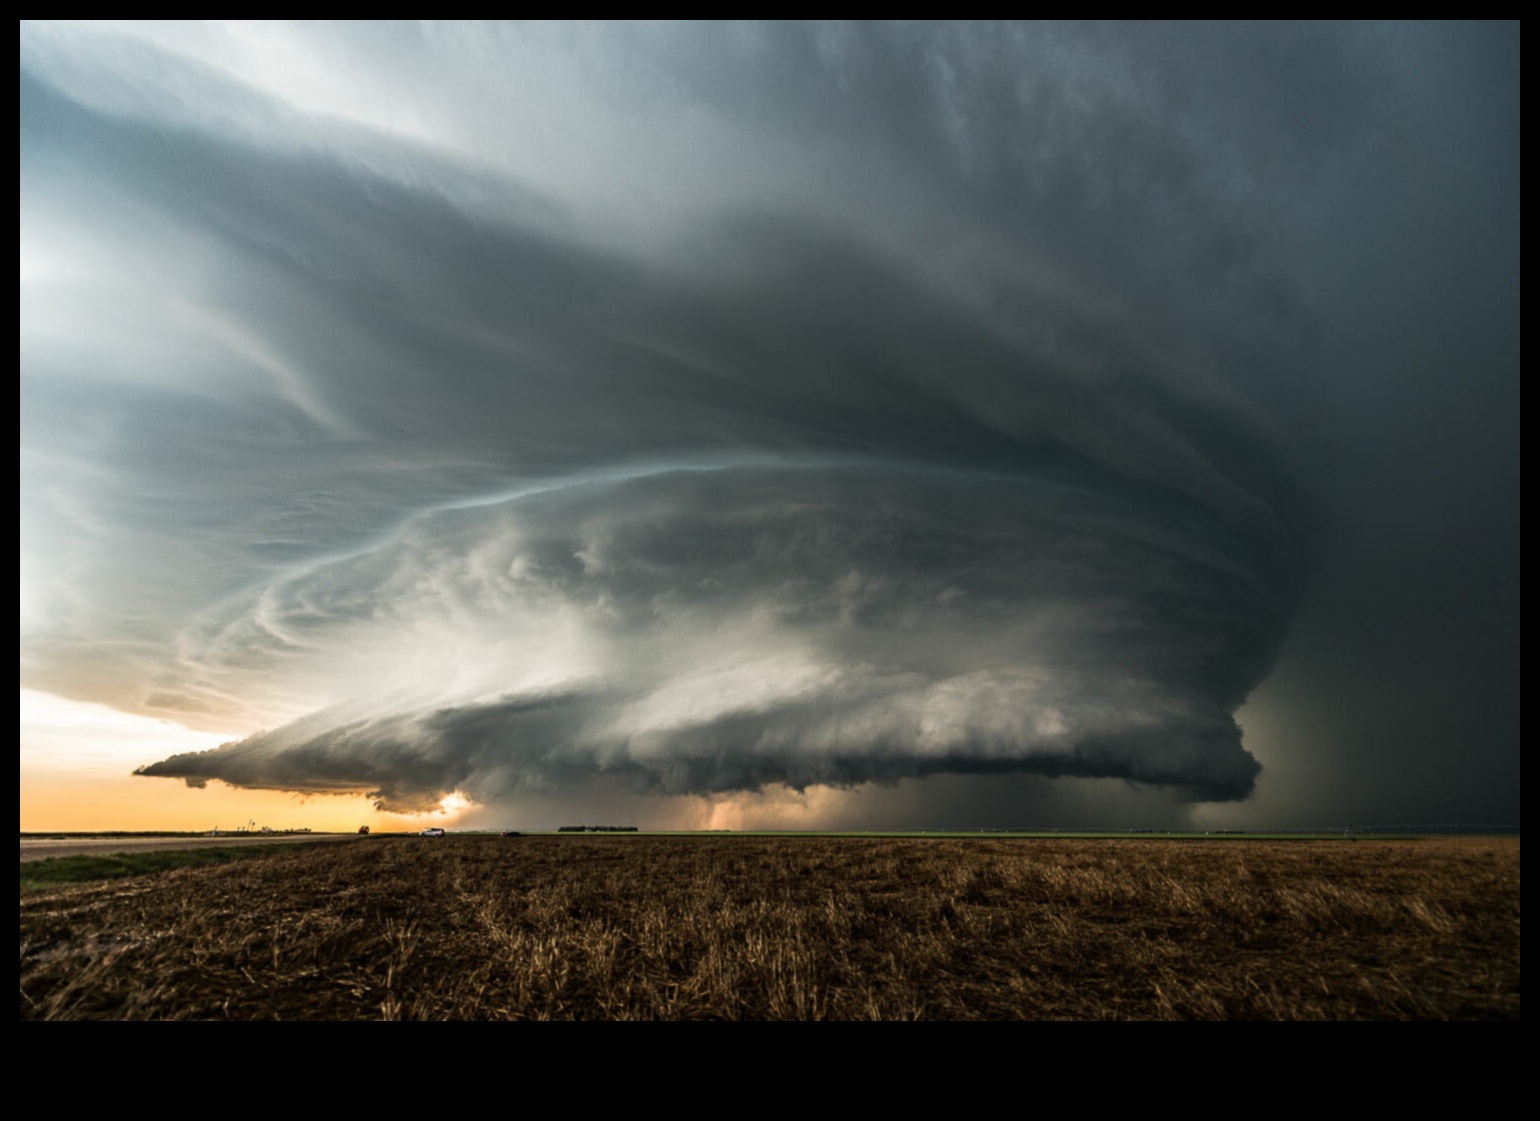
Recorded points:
717,631
709,409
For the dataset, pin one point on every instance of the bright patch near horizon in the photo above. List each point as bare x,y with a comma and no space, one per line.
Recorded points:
58,734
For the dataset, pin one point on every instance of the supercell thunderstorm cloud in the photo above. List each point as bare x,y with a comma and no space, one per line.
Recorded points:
716,631
549,412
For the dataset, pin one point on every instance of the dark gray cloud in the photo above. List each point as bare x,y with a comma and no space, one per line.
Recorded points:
725,630
721,408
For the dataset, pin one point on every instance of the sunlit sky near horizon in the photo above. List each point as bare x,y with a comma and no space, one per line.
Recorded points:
769,425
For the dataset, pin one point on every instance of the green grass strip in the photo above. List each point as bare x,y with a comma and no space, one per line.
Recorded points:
58,871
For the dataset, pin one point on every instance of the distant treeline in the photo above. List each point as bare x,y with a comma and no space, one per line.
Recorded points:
597,829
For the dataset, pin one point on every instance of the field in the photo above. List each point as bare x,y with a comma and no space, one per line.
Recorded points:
722,927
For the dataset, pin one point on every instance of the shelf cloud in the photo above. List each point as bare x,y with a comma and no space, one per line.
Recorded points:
708,410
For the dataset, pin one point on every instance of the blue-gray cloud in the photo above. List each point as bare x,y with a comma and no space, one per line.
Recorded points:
703,408
719,631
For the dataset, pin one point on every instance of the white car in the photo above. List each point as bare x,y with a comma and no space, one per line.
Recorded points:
432,831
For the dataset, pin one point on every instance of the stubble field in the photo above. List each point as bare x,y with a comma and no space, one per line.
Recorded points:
792,928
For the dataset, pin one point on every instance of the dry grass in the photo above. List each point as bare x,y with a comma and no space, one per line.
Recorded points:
792,928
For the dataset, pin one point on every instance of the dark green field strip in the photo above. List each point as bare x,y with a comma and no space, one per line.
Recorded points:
60,871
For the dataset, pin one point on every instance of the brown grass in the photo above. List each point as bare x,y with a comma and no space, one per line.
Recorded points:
792,928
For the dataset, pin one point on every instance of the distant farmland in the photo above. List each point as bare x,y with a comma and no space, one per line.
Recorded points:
723,927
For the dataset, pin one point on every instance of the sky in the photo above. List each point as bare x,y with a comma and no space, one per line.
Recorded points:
769,425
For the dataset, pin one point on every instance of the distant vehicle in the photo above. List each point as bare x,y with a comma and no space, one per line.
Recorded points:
432,831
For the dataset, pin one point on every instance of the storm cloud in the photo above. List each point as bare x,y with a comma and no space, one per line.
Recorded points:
696,410
717,631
